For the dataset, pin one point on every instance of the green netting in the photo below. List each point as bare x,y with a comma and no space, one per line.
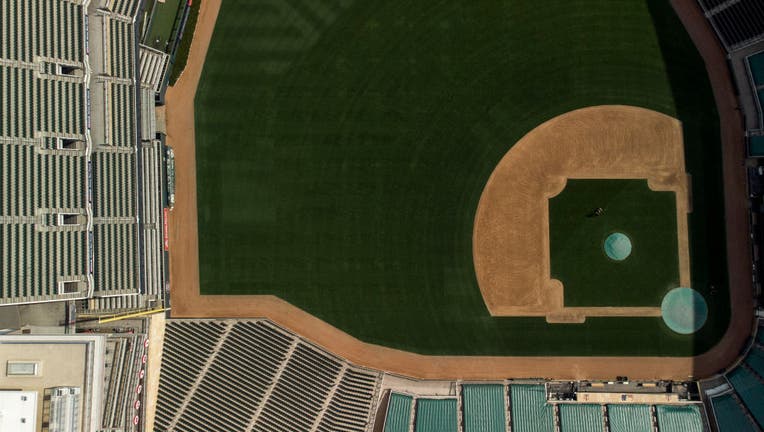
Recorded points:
757,67
530,412
730,416
684,310
751,391
679,418
398,413
629,418
483,406
580,418
436,415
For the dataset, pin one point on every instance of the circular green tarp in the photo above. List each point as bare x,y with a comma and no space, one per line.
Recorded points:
684,310
617,246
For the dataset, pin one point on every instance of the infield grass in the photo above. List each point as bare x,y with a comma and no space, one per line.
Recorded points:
576,237
342,150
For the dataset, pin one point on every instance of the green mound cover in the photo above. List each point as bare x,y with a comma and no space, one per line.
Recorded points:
617,246
684,310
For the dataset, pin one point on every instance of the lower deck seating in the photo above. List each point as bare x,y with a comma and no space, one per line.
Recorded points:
730,415
436,415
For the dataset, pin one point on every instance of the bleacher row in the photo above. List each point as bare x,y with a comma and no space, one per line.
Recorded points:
153,67
122,376
121,58
39,103
30,181
31,261
125,8
740,405
121,100
31,103
116,258
113,184
58,29
737,22
524,408
152,230
254,376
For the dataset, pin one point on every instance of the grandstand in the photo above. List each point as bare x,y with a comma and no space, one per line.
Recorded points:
124,372
82,168
738,22
738,398
252,375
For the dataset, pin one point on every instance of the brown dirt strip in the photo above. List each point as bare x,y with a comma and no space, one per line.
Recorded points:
511,233
187,302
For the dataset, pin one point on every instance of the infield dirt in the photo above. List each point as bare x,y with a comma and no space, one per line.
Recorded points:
186,300
511,234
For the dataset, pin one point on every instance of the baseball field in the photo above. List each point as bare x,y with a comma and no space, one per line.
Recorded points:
342,149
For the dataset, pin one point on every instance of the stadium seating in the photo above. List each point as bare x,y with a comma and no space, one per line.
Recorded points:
123,357
484,407
436,415
679,418
743,403
530,412
627,418
251,375
51,145
581,418
737,22
731,416
398,416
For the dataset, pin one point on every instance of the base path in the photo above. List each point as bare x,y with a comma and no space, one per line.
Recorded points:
511,234
188,303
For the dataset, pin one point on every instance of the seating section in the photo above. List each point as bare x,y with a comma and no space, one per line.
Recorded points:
530,412
581,418
58,30
254,376
52,174
113,184
153,67
737,22
731,415
48,254
679,418
629,418
348,409
484,408
741,404
122,377
750,387
122,46
125,8
398,416
116,258
436,415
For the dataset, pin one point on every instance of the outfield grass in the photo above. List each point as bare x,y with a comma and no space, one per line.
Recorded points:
342,152
576,241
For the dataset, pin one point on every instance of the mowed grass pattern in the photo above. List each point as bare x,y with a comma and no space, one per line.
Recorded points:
342,148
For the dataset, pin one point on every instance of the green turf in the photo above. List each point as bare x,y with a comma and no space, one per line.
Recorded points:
162,24
341,153
576,240
181,55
